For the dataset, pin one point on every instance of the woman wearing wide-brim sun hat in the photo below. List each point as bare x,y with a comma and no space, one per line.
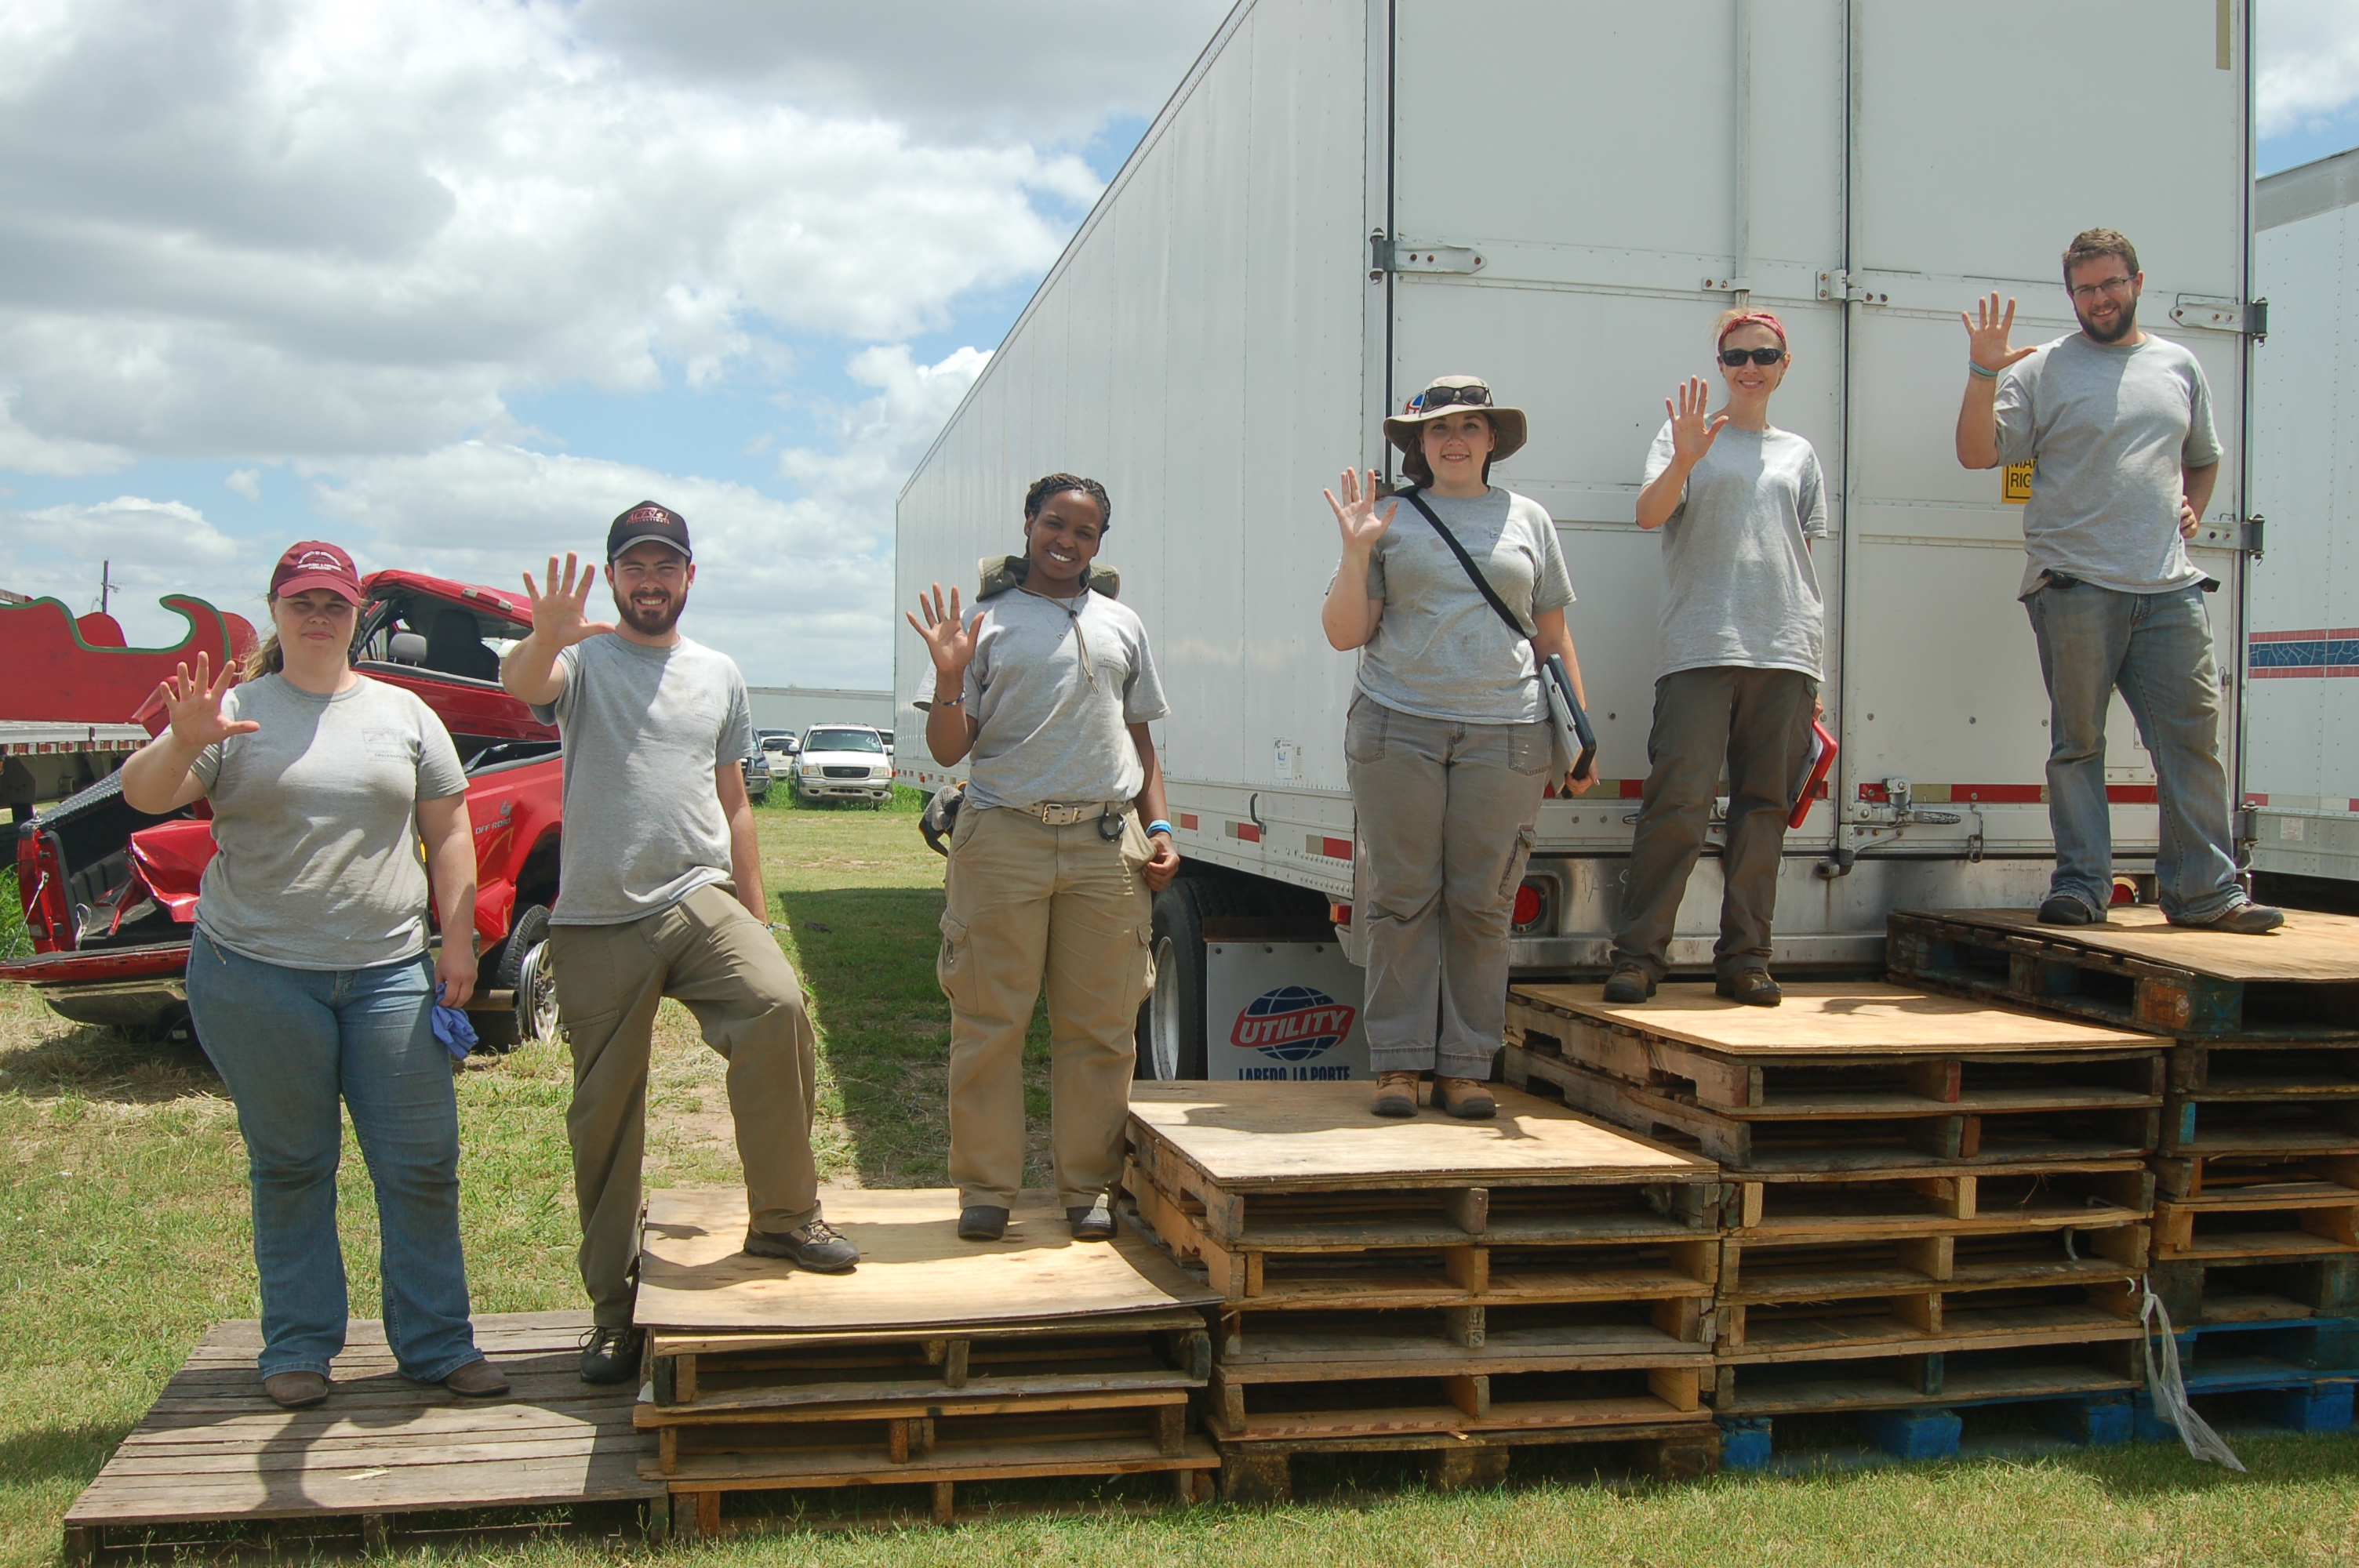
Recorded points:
1449,742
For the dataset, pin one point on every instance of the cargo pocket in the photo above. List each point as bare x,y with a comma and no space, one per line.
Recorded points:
954,966
1521,856
1530,747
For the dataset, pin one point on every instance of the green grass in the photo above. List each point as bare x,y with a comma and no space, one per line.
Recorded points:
16,941
124,1235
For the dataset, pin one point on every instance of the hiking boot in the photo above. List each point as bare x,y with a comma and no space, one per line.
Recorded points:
2244,917
1629,982
611,1355
2063,909
1395,1095
817,1247
1464,1098
296,1391
1754,988
981,1222
478,1379
1091,1221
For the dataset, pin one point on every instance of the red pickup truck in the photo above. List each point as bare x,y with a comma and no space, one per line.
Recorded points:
110,893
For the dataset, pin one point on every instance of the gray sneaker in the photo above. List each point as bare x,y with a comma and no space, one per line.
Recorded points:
2245,918
816,1246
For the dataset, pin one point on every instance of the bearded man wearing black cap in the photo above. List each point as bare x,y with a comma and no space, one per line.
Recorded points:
660,894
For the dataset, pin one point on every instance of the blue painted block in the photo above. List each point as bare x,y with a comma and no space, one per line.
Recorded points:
1914,1434
2316,1407
1744,1443
2149,1424
2099,1422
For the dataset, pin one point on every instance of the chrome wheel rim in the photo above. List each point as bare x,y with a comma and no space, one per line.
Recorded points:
537,995
1163,1014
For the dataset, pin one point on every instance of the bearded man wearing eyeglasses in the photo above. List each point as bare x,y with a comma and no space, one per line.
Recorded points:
2118,423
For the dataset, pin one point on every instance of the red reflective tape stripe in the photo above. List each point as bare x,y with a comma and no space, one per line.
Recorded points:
1631,789
1998,794
2131,794
1245,831
1336,849
1188,820
2257,800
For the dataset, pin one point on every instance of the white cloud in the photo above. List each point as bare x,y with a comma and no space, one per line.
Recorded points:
146,549
130,528
25,452
2307,55
253,230
246,483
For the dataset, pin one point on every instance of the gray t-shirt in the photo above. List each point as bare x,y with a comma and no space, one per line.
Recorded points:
644,731
2111,427
1053,685
316,817
1440,651
1738,587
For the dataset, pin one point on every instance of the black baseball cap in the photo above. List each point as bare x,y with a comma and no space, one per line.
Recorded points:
648,519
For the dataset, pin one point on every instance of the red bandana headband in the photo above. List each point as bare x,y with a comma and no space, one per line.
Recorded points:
1754,318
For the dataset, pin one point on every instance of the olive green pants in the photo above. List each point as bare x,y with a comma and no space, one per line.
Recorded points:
1028,904
708,952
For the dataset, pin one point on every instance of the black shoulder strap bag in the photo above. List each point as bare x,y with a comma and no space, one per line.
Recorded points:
1576,745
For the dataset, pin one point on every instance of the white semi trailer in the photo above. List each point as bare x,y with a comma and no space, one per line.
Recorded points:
2302,774
1346,198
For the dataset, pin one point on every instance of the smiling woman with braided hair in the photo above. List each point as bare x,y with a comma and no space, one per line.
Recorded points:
1060,847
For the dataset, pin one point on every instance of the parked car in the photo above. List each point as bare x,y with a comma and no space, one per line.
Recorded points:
778,743
110,893
843,762
758,776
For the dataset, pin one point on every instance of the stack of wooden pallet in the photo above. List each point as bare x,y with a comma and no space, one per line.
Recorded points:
2256,1220
938,1361
1934,1203
1458,1289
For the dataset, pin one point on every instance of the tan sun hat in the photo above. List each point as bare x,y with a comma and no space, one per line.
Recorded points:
1446,393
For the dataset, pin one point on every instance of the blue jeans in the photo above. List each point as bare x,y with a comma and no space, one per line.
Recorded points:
2155,648
290,1043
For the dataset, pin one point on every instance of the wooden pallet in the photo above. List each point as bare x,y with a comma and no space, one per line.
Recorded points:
2299,982
1936,1432
2256,1289
213,1448
1841,1076
2115,1128
1290,1403
1867,1206
1836,1383
697,1490
2229,1356
897,1432
1115,1353
1261,1470
2296,1219
914,1271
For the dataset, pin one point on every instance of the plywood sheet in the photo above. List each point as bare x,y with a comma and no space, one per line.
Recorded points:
214,1448
1299,1137
1829,1018
914,1270
2308,947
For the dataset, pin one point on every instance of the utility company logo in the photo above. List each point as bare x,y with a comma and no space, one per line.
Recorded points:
1292,1023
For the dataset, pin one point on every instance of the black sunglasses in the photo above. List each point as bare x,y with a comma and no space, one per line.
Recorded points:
1434,398
1734,357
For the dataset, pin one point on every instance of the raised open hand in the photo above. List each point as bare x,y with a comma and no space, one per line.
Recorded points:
1691,434
560,616
1986,333
950,640
194,702
1356,513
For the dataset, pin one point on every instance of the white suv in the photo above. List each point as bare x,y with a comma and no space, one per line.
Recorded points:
843,762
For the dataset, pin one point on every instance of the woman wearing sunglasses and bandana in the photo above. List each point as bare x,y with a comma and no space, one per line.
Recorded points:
1739,502
1449,741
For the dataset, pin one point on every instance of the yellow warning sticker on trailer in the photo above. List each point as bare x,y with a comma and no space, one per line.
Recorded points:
2016,489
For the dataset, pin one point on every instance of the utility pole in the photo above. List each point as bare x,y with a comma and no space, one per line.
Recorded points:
104,584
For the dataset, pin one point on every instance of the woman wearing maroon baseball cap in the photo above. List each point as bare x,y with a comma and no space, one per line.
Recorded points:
309,977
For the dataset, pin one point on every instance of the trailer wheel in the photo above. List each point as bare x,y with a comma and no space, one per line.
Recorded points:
524,969
1171,1022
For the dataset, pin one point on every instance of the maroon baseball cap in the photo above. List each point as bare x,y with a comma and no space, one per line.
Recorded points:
648,519
315,563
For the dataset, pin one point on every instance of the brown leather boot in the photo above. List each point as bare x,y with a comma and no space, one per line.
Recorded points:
1395,1095
1466,1098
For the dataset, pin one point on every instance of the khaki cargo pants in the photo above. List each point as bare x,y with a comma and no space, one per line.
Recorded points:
1029,902
710,952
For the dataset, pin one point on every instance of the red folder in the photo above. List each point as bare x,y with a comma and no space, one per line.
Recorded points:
1821,762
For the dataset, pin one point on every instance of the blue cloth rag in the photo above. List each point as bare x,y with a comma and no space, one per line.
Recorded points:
451,1028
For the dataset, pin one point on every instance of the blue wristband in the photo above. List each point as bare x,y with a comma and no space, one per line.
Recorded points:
1984,374
1160,825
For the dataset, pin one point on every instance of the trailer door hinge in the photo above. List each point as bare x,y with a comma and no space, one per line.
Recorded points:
2256,320
2230,534
1400,255
1841,285
2220,314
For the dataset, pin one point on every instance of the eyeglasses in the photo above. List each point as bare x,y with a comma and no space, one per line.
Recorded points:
1434,398
1734,357
2088,291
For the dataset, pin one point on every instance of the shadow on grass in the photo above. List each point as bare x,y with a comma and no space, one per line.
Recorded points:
52,1453
82,1060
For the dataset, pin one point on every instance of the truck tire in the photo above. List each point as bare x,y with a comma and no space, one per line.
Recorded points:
524,969
1171,1021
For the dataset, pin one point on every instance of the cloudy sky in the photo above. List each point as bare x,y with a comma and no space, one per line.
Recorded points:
452,281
